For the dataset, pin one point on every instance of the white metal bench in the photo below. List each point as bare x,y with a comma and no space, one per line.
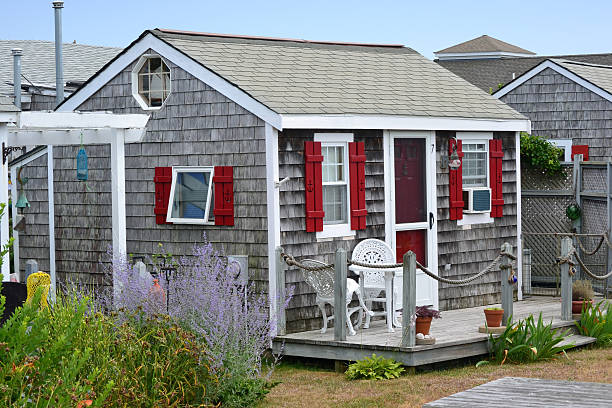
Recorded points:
323,284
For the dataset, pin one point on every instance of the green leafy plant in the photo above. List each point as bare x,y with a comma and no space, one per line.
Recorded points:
582,290
527,341
493,308
597,322
540,154
374,368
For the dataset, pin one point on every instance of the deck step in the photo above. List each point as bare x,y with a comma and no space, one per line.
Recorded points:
577,340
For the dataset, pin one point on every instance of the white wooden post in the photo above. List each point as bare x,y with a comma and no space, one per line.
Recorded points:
506,286
50,197
409,300
566,281
118,196
14,194
4,221
281,319
340,295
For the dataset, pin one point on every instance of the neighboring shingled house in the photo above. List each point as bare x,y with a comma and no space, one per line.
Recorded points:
483,47
38,69
311,146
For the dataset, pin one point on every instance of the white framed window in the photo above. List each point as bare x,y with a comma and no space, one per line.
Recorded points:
335,183
151,81
566,146
475,169
191,195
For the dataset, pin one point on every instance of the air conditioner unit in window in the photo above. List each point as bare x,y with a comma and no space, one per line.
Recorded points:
477,200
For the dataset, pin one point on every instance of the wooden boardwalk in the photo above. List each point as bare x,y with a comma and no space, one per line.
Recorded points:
456,336
530,392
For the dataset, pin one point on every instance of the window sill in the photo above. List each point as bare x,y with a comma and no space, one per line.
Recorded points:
472,219
336,231
190,222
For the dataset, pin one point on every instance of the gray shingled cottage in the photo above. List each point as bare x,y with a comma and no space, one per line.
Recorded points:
263,142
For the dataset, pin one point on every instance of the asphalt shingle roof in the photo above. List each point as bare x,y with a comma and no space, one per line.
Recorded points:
38,62
488,73
599,75
298,77
484,43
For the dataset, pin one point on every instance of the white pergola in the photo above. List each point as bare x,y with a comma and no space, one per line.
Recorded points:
66,128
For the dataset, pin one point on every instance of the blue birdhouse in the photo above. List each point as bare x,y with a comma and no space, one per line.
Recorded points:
82,165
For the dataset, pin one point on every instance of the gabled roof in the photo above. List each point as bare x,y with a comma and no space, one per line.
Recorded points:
488,73
596,78
484,43
38,62
303,77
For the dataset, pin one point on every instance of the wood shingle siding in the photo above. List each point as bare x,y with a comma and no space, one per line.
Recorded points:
197,126
471,250
562,109
302,313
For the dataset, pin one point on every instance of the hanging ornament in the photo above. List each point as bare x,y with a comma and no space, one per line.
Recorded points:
573,212
82,171
22,201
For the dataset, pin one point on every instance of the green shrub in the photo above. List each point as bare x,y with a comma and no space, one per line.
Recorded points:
539,153
69,353
597,323
526,341
374,368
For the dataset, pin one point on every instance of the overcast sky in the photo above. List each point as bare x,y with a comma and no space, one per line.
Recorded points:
542,26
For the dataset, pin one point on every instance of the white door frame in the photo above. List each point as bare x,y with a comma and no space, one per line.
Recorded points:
432,206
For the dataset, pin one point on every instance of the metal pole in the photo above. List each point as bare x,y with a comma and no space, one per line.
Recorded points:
609,202
17,75
409,300
281,322
506,285
59,70
340,295
566,281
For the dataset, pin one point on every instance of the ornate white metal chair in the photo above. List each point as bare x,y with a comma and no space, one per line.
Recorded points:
323,284
373,281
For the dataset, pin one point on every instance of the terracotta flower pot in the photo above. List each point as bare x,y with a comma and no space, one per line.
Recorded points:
494,317
422,325
577,305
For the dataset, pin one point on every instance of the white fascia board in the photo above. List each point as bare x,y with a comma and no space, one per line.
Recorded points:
478,55
559,69
185,62
389,122
8,117
69,136
78,120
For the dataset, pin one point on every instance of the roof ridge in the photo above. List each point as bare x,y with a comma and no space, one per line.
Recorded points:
297,40
64,43
586,64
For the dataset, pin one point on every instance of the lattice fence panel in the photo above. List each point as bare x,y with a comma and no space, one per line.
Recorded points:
594,221
594,179
536,180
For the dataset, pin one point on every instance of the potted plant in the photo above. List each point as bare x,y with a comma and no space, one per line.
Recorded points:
494,316
582,294
424,315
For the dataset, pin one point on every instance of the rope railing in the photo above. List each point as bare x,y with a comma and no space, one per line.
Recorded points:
568,259
291,261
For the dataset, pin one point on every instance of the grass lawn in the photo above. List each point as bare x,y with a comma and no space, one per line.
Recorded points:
309,387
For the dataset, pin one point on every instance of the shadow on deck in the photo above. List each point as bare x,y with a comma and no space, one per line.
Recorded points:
456,334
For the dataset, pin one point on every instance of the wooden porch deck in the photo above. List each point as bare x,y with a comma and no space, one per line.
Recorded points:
456,336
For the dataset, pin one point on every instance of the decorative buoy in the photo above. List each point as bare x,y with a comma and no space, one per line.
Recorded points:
82,165
573,212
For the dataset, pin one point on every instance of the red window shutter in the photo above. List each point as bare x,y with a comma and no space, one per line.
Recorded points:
224,195
313,180
581,149
357,160
163,182
456,182
495,174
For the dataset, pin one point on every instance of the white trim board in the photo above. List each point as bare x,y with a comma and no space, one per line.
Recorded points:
390,122
445,56
185,62
559,69
273,212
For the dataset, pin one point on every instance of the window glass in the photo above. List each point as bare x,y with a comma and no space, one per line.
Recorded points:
474,165
335,186
154,81
192,195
